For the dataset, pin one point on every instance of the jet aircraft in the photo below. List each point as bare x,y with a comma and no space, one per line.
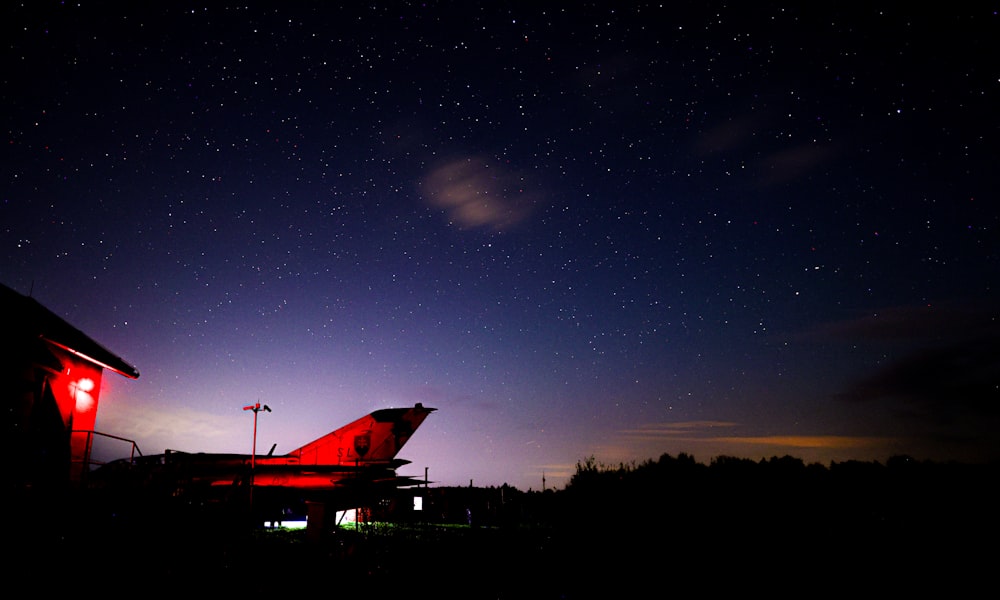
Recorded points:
351,467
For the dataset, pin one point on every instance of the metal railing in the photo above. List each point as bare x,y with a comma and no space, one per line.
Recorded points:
83,462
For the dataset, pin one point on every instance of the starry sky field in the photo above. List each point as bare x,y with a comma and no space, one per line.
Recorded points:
595,229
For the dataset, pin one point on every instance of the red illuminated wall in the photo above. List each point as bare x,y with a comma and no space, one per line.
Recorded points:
76,389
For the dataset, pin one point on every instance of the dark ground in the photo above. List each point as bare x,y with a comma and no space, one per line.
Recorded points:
606,558
737,529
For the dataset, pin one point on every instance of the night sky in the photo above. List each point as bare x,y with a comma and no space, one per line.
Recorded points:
601,229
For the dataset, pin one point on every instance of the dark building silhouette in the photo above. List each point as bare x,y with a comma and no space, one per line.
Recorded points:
52,373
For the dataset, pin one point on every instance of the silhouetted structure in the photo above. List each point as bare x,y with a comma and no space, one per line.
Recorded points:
53,375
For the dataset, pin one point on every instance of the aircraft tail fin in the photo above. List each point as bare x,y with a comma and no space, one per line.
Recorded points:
374,438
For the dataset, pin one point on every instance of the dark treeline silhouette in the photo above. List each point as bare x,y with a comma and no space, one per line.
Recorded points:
775,524
904,523
737,494
785,492
662,527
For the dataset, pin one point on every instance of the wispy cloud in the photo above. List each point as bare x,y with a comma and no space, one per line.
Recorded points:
681,430
945,383
179,428
478,193
706,440
839,442
709,432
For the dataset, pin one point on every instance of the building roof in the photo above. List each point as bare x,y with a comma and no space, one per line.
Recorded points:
28,318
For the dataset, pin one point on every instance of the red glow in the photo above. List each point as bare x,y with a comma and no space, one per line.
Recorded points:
77,392
90,359
81,390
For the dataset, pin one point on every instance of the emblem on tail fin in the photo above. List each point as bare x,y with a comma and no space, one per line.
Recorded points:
374,438
362,443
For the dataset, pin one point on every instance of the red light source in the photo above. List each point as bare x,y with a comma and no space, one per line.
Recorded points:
81,392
